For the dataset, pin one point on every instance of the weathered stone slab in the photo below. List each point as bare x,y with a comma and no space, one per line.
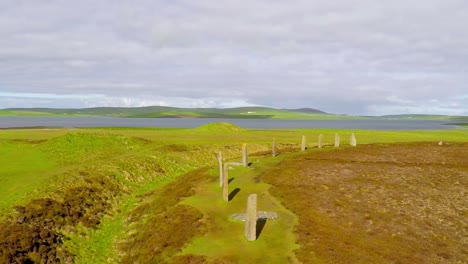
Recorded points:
273,148
303,143
251,218
337,140
225,179
221,169
267,215
226,183
245,159
260,215
320,143
352,140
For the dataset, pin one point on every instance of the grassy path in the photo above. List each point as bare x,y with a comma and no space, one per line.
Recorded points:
226,241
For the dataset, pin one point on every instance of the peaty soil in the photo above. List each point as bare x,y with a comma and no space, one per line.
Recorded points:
34,233
399,203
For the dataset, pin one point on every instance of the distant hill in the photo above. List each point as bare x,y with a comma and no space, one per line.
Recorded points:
306,110
238,112
424,117
167,112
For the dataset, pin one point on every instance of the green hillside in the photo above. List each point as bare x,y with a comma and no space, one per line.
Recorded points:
238,112
167,112
425,117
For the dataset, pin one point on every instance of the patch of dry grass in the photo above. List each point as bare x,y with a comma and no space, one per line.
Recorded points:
163,235
160,226
402,203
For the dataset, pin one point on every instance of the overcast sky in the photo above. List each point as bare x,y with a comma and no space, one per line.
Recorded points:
363,57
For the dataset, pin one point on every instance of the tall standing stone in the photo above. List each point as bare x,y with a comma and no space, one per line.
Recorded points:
353,141
245,159
251,218
320,138
273,148
221,169
303,143
337,140
226,183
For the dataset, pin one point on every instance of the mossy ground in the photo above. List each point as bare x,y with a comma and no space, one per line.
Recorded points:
123,171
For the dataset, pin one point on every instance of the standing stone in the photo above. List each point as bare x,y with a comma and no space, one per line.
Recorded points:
245,159
337,140
273,148
303,143
251,218
221,169
320,144
353,141
225,183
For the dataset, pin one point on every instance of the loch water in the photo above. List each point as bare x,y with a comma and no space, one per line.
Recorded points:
88,122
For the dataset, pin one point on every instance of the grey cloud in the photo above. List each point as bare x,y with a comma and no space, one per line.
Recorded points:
357,57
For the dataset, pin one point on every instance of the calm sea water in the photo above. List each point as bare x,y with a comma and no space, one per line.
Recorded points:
16,122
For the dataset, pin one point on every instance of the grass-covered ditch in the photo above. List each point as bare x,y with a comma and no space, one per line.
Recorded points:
152,195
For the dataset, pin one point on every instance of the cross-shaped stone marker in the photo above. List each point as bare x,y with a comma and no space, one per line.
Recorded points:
252,216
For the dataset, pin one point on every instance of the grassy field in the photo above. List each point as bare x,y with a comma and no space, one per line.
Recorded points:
101,193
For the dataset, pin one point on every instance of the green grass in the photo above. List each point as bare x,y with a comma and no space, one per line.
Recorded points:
37,163
23,168
277,236
34,162
210,136
219,127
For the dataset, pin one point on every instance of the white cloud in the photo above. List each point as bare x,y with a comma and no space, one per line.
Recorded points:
420,109
14,100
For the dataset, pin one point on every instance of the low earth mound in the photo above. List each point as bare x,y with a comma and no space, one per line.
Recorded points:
219,127
402,203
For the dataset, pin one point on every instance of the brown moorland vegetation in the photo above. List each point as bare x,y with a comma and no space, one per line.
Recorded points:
399,203
161,225
34,234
